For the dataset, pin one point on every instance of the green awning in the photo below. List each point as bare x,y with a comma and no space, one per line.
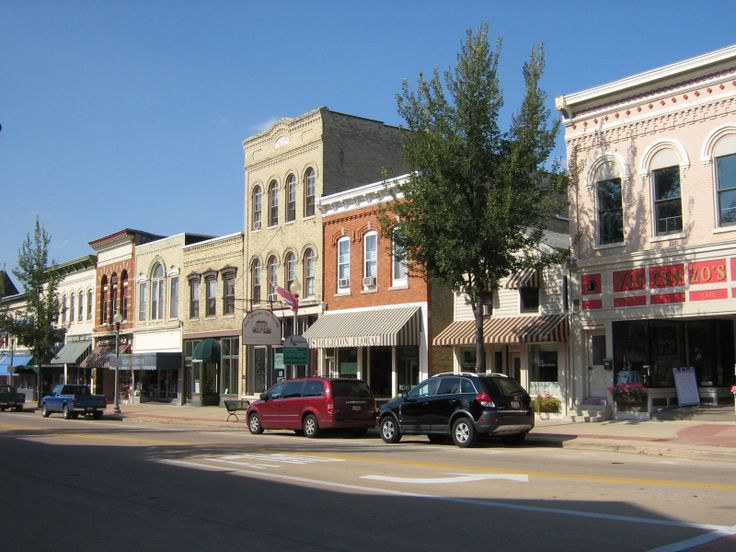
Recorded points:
73,352
207,350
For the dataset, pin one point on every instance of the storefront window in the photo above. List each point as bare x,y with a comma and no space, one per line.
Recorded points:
379,370
468,360
229,368
544,371
407,360
348,363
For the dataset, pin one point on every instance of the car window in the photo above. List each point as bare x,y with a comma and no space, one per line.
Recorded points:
503,386
293,389
313,388
354,388
466,386
276,391
449,386
425,389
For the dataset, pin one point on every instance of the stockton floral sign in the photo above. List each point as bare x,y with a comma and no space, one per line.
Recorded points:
629,393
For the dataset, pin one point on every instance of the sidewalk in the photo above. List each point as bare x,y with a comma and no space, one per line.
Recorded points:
708,440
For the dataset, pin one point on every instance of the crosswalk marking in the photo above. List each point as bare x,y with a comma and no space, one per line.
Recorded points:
273,460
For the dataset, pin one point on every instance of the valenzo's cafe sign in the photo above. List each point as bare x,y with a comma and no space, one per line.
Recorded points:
661,284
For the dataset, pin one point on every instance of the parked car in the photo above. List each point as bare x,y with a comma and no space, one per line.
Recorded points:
71,400
10,398
462,406
310,405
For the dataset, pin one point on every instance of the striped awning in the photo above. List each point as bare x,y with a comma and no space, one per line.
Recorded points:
529,277
372,328
99,357
509,329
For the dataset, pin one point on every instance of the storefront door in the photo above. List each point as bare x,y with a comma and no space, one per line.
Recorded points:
599,379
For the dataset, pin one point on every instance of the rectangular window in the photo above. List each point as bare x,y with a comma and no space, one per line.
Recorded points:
399,267
157,299
256,277
529,299
343,264
291,199
610,212
311,276
90,304
124,309
142,290
228,301
273,204
257,208
370,260
174,298
194,299
80,307
667,206
72,306
726,175
309,193
211,297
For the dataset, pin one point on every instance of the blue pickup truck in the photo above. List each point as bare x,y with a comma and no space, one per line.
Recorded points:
71,400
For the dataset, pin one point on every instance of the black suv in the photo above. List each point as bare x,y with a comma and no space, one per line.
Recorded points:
460,405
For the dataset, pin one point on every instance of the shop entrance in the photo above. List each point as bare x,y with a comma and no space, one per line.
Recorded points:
599,379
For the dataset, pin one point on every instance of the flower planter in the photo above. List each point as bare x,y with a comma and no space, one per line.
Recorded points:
629,409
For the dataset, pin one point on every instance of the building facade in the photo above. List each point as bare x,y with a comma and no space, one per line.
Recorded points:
378,319
287,169
653,222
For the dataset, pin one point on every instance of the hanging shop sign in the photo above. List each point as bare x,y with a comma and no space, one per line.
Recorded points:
261,327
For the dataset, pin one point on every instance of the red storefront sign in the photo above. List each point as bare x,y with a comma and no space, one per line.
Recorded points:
592,304
591,284
629,280
665,298
709,295
707,272
630,301
667,276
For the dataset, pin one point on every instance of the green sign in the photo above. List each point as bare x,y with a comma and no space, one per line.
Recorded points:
296,355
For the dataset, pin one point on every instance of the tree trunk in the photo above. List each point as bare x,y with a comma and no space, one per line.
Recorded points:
480,349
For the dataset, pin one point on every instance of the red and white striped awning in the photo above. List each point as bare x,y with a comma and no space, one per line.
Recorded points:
509,329
529,277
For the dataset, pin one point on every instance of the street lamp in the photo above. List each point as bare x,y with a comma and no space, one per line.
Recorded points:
117,320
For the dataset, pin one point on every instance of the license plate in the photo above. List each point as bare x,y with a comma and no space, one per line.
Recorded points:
515,404
357,408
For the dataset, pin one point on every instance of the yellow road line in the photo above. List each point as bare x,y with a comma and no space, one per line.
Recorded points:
41,433
549,475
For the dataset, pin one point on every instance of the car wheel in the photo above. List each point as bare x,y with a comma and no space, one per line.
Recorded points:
66,413
44,411
18,408
310,426
389,430
2,409
436,438
515,439
97,414
254,424
463,432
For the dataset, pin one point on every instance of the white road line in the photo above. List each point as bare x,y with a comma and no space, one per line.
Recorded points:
469,501
459,478
696,541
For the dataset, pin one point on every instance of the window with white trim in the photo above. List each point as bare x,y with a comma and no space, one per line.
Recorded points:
210,286
228,290
257,209
290,198
399,267
158,287
343,265
174,297
142,301
273,277
310,186
80,306
90,304
194,298
290,271
310,273
72,306
370,259
726,186
273,203
667,202
610,211
255,280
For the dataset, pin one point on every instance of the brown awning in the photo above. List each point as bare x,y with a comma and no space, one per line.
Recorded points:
99,357
529,277
509,329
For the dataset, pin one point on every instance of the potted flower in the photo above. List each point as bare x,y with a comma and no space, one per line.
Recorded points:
629,394
546,402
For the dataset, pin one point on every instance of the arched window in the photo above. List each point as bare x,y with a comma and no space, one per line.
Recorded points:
257,206
273,203
606,174
290,271
158,292
310,273
103,300
370,259
80,306
255,280
194,297
114,295
63,314
124,298
90,304
71,307
310,184
290,198
343,265
272,267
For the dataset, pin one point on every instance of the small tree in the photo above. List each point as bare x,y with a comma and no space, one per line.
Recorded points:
475,206
34,327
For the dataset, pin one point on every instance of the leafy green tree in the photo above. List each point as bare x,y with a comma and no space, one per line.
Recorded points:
478,200
34,326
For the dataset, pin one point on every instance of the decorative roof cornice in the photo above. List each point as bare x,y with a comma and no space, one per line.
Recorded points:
361,197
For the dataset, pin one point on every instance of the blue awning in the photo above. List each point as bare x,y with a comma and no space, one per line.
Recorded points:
18,361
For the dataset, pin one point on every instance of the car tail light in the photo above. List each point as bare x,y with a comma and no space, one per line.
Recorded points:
485,400
330,407
74,403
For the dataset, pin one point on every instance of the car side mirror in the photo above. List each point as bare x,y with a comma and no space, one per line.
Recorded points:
405,396
264,396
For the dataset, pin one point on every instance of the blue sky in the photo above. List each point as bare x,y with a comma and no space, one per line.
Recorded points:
131,114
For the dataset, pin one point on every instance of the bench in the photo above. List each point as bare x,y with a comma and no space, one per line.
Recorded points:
235,406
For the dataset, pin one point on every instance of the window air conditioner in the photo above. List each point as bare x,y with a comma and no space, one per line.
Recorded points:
272,297
257,225
343,283
369,281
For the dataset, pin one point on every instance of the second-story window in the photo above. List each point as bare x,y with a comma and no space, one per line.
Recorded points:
124,298
90,304
64,310
210,283
103,300
193,298
255,279
610,212
310,186
228,289
310,273
370,259
343,265
115,296
142,301
667,204
80,306
290,271
158,287
290,198
273,277
72,306
399,268
273,203
726,177
174,297
257,216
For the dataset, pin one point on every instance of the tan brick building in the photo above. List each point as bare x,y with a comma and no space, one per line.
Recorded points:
653,221
287,169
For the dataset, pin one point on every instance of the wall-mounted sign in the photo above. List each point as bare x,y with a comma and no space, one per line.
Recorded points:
591,284
261,327
707,272
667,276
629,280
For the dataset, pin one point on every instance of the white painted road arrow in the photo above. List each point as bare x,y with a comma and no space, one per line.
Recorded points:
458,478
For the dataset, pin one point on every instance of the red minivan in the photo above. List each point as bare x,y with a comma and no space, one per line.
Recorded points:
311,404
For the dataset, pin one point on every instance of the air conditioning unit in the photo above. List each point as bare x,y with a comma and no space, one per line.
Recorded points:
343,283
369,281
272,297
257,225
